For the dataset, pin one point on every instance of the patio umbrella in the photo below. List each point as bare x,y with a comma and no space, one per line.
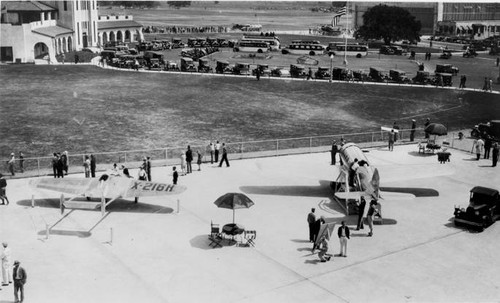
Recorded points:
436,129
234,201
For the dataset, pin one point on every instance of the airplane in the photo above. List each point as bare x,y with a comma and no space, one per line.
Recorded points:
106,187
365,181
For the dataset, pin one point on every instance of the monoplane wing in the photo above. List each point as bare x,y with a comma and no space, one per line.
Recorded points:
108,187
388,129
74,186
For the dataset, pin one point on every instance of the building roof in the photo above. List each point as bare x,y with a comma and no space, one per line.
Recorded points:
118,24
52,31
26,6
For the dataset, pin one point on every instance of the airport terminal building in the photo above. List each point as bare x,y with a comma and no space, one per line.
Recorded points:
41,30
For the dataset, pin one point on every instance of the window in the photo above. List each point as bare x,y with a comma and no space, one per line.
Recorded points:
65,5
76,3
78,30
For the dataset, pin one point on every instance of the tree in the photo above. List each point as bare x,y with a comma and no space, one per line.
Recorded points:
390,23
178,4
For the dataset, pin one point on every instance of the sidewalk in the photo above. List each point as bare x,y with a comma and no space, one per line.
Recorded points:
148,252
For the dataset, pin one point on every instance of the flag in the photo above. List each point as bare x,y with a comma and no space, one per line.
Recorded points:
339,13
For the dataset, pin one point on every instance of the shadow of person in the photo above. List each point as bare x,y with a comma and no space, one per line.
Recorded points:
417,154
316,261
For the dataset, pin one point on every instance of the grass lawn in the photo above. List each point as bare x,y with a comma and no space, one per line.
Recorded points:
84,108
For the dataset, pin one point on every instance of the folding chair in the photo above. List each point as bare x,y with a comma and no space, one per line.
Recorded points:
250,236
215,236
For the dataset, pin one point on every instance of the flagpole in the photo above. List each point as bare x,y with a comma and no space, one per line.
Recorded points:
345,34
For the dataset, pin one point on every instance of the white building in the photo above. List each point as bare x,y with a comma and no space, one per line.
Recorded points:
33,30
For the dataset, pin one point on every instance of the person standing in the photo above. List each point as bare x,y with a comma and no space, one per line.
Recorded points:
21,161
343,233
212,150
217,149
486,83
60,166
463,78
311,219
92,165
316,228
413,127
199,159
3,191
86,166
478,146
309,74
64,160
257,73
494,154
395,126
142,175
334,151
148,168
11,164
361,212
391,140
189,159
55,160
175,175
6,265
487,147
224,156
372,210
427,122
20,276
490,85
77,59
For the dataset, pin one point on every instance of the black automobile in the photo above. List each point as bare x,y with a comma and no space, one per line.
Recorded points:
322,73
483,209
489,130
378,74
446,68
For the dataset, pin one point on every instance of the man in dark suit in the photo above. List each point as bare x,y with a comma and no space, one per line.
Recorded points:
92,165
19,275
148,168
189,159
343,233
311,218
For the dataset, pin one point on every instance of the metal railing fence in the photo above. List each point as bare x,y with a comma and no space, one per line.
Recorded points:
40,166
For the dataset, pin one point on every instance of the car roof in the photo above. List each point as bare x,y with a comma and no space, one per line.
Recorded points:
484,191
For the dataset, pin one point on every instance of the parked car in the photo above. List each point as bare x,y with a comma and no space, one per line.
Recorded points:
187,65
392,50
340,73
446,68
171,66
483,209
298,71
487,130
422,78
263,68
447,79
378,74
204,66
223,67
360,75
398,76
280,72
241,69
322,73
446,54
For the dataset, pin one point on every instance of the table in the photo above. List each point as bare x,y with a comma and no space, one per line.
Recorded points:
232,230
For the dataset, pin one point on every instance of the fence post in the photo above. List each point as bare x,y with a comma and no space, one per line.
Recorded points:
277,147
125,158
166,156
38,163
310,144
241,150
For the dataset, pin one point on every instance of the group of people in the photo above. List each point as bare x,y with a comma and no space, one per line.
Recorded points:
60,164
216,149
486,146
427,56
488,83
343,232
13,273
89,166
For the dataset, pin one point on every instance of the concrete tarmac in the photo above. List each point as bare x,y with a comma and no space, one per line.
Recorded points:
154,251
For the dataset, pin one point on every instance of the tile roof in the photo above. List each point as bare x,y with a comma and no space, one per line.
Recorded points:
27,6
118,24
52,31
